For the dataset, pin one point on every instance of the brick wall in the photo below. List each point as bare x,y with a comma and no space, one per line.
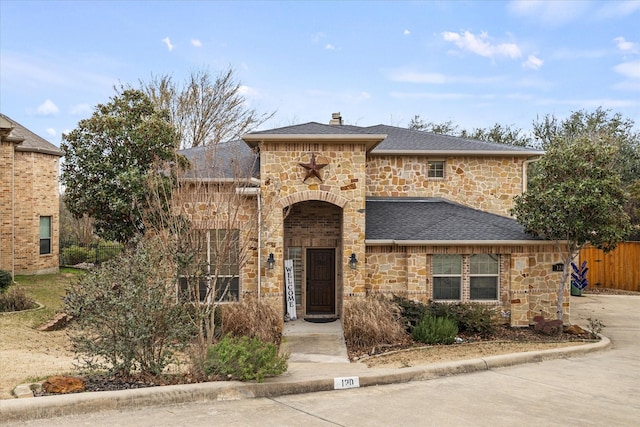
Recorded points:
36,194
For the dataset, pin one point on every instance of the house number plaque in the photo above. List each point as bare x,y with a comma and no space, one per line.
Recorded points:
341,383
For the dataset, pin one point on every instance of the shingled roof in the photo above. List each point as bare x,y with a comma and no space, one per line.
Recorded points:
408,220
28,141
399,141
232,160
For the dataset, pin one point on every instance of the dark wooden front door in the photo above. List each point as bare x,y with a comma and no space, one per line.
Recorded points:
321,281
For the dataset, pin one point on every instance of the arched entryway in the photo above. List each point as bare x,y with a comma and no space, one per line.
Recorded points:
313,241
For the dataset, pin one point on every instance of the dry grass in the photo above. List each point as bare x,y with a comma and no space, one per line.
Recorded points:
373,322
26,353
253,319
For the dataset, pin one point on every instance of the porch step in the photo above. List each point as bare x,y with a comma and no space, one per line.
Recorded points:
314,342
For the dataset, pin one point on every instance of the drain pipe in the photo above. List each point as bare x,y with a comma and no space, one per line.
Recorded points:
255,191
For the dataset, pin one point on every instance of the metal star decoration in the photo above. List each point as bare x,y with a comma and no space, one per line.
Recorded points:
313,168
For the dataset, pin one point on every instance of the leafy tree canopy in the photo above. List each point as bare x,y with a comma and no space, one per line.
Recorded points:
107,158
549,131
575,198
499,134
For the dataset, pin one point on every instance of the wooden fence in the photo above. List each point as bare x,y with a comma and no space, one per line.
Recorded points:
618,269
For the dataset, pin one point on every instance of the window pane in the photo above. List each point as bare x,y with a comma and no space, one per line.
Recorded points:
45,235
45,227
446,288
484,288
436,169
188,291
447,264
229,284
484,264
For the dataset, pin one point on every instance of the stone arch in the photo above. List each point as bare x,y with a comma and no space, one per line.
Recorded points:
308,195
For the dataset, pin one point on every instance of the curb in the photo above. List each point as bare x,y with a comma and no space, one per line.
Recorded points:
82,403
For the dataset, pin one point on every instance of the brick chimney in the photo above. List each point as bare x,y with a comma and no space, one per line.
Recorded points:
336,119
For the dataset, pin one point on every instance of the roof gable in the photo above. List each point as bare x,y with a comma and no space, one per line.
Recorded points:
30,141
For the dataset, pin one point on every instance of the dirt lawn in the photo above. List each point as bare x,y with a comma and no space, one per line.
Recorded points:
27,354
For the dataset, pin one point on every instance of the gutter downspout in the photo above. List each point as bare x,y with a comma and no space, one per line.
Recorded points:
13,215
525,176
254,191
259,245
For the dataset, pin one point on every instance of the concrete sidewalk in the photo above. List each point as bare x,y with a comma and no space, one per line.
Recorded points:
318,363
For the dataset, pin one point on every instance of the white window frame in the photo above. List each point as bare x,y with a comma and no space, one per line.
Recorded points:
206,280
465,278
445,275
495,275
46,238
435,169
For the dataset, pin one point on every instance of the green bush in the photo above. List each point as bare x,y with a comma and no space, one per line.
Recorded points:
470,317
126,319
410,311
74,255
5,280
15,299
435,330
106,251
244,358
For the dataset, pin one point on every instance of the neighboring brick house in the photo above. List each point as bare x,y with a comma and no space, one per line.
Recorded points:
386,210
29,201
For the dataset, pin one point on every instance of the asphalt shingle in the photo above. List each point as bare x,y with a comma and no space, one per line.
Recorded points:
436,219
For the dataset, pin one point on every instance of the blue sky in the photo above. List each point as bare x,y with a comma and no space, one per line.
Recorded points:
475,63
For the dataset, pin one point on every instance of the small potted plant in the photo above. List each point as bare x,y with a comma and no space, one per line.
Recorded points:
579,278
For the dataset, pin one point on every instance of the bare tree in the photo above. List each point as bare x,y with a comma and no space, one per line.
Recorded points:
208,216
205,111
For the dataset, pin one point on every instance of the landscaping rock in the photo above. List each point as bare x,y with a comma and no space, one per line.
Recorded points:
575,330
58,322
63,385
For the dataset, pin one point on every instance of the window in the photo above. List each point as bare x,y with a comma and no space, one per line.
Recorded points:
436,169
45,235
447,277
213,266
483,276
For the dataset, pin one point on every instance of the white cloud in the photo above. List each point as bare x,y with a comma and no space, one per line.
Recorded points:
533,62
626,46
47,108
411,76
317,37
167,41
51,131
329,46
481,45
248,91
81,110
406,32
618,9
629,69
547,12
195,42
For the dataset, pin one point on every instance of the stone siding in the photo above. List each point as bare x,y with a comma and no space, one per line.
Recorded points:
342,184
485,183
527,284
